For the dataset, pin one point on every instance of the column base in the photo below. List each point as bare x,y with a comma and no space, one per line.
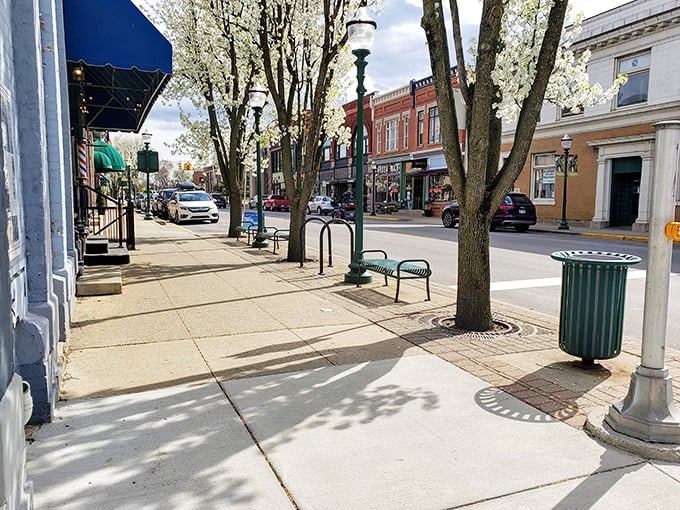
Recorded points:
354,276
648,411
259,242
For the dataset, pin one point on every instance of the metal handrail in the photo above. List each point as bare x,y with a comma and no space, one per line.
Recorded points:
108,220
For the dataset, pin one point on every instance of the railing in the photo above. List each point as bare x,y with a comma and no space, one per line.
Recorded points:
111,219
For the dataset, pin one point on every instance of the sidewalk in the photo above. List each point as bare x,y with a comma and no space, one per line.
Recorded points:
224,377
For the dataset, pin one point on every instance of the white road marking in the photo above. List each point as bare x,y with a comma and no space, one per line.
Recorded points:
633,274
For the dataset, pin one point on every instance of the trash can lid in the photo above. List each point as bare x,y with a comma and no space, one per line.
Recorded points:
596,257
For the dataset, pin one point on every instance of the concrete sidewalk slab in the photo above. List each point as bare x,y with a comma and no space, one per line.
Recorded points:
258,353
639,486
176,448
132,368
408,433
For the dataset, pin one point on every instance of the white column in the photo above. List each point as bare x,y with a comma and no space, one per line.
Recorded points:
644,208
648,411
602,191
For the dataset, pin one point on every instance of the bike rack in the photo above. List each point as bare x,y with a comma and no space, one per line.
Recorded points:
303,238
327,226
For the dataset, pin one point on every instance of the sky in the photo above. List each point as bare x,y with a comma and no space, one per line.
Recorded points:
399,55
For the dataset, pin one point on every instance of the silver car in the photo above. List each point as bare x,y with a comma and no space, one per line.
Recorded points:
320,204
192,205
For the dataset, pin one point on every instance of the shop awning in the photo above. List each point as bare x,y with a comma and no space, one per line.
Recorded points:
124,64
107,158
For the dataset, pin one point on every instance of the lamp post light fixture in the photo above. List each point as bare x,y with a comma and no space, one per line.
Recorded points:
257,97
360,34
147,141
566,145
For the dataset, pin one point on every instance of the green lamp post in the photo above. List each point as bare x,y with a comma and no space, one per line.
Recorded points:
360,34
147,141
257,96
566,145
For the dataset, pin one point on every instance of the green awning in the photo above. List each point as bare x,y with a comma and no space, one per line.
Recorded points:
102,163
116,161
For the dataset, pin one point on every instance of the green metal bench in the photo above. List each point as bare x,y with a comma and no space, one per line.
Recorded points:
399,269
276,235
246,228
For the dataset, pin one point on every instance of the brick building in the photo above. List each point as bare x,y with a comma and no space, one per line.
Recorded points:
408,161
614,141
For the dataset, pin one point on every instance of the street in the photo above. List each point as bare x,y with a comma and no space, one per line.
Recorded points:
522,272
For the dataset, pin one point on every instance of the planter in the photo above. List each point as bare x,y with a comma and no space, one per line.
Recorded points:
28,401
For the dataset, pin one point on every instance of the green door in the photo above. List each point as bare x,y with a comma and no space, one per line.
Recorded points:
625,191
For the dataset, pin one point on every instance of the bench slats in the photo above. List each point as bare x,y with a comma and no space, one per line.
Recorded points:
398,269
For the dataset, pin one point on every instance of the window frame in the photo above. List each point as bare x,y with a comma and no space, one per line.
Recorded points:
421,128
406,119
549,165
637,73
392,134
434,128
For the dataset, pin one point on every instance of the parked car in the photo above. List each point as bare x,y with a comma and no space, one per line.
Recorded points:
160,205
192,205
516,210
252,203
276,203
321,205
219,199
140,201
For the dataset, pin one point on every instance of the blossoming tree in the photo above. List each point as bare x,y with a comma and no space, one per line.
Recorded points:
522,59
215,58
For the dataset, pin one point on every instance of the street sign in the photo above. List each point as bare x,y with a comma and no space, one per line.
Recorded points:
250,217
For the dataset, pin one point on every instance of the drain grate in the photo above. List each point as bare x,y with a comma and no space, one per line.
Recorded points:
502,326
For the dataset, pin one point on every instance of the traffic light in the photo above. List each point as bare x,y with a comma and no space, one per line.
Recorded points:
179,166
187,166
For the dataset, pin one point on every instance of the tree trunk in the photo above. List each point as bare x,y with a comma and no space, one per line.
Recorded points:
298,213
473,299
235,212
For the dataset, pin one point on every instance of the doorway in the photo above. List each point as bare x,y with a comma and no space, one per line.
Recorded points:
625,191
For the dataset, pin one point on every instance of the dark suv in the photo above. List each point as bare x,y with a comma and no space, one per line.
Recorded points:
516,210
160,205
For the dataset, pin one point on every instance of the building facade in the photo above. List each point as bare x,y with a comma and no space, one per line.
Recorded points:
49,103
614,141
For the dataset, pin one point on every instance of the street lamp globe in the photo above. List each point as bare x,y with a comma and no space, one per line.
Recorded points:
566,142
361,31
257,96
146,136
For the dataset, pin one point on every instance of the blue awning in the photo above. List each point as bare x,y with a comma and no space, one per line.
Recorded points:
125,62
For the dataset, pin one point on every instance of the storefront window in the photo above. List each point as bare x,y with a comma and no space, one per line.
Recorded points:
440,189
543,171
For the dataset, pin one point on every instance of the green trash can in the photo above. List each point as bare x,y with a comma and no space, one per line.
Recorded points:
592,302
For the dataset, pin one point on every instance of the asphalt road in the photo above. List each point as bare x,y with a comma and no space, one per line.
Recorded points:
522,271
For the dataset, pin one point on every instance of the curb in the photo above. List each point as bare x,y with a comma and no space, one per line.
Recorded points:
597,428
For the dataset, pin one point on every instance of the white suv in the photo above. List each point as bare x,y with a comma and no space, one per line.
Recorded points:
192,205
320,204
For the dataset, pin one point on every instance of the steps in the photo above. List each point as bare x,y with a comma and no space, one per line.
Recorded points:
100,252
99,281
